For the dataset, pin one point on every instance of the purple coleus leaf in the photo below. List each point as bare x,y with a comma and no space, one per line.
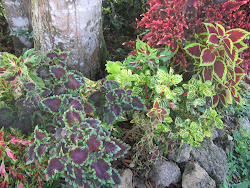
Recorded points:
40,135
43,71
123,148
137,103
51,55
59,89
97,98
75,103
116,177
119,92
58,72
116,109
41,149
207,74
54,164
73,83
78,155
207,57
29,86
52,104
72,117
220,69
88,108
110,96
31,154
110,147
93,144
109,117
101,168
63,56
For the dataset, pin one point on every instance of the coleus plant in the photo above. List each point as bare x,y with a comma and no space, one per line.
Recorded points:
13,170
111,101
173,22
219,60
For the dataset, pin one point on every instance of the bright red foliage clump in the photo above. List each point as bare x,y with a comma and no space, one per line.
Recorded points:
174,22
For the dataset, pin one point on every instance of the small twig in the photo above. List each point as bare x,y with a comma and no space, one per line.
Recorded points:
128,133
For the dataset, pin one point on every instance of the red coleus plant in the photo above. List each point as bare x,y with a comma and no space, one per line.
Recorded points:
219,60
173,22
157,113
13,171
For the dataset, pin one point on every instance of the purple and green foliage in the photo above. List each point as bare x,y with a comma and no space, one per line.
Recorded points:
112,101
82,151
217,57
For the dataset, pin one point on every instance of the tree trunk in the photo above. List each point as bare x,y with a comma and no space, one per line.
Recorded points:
18,18
71,25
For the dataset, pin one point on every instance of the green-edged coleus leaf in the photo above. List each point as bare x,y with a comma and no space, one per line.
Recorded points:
207,74
220,30
109,117
97,98
79,155
52,104
122,148
116,109
228,44
237,98
213,39
220,69
137,103
88,108
29,86
223,99
93,143
194,50
58,72
234,55
240,46
111,96
207,57
102,169
43,71
55,164
74,83
59,89
215,101
73,117
237,35
211,28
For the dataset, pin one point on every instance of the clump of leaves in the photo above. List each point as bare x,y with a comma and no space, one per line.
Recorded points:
238,161
13,170
176,112
219,61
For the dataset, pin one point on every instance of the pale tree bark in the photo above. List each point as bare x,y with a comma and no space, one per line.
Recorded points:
18,18
71,25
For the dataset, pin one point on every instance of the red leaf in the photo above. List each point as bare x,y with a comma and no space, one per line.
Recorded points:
220,29
20,177
207,57
1,135
213,38
215,100
14,140
233,5
228,44
10,154
4,184
222,98
156,105
238,70
207,74
210,28
3,144
2,170
237,99
237,35
21,186
194,50
220,69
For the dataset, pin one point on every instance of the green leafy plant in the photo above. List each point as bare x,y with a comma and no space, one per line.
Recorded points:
13,170
217,57
238,161
177,112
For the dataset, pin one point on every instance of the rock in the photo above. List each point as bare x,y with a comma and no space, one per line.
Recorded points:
126,178
139,183
244,123
164,173
225,143
181,154
211,158
196,177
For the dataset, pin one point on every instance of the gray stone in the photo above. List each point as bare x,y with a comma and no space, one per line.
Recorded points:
196,177
244,123
164,173
139,183
126,178
181,154
211,158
